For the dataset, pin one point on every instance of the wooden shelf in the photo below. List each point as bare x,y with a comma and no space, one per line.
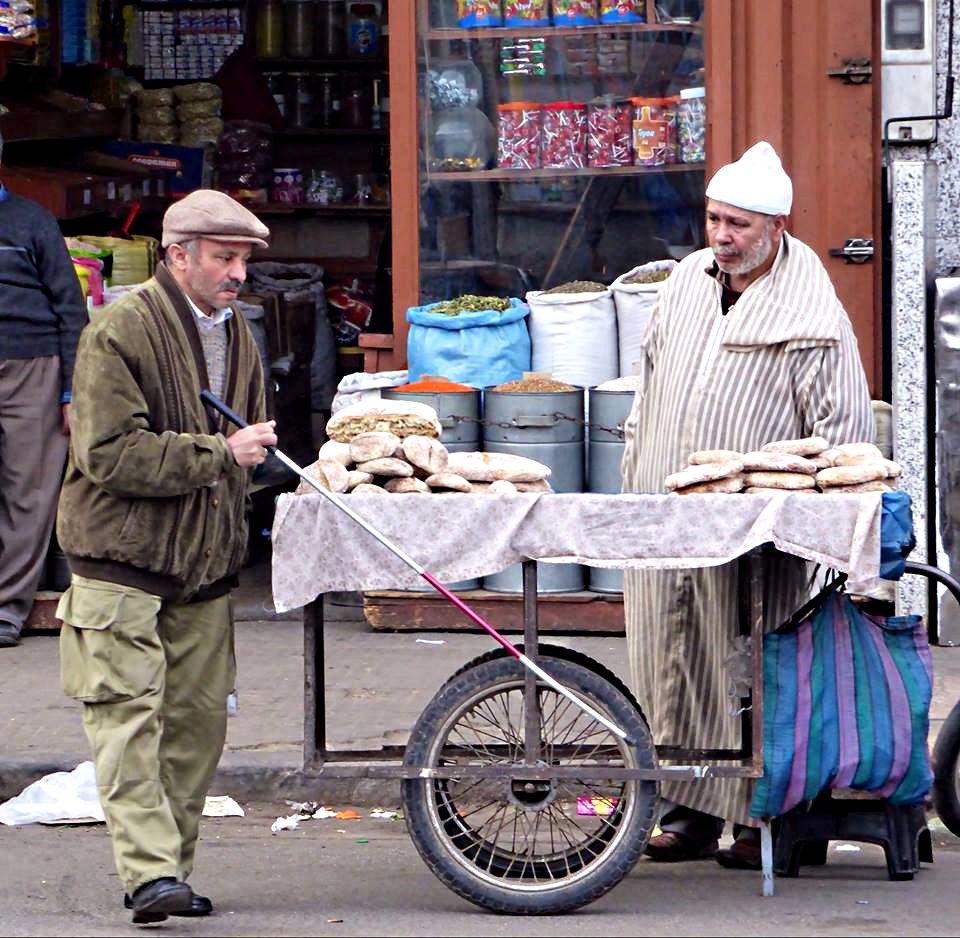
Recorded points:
340,132
307,208
331,63
24,124
547,32
525,175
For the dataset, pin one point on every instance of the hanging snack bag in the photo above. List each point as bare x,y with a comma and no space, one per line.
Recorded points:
526,13
622,11
609,131
518,141
563,137
473,13
574,12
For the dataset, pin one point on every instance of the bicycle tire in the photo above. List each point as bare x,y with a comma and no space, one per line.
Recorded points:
559,858
945,791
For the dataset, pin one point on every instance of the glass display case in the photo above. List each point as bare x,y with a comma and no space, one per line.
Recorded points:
558,140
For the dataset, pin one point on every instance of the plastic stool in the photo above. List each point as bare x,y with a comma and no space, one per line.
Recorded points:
901,830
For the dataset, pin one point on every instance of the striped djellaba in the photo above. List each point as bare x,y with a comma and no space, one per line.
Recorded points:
781,364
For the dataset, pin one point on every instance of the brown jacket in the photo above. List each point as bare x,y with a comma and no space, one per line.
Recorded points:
153,497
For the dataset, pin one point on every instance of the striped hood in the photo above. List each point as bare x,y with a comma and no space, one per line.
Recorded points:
793,304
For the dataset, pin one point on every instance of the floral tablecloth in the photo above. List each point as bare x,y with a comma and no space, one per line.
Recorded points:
317,548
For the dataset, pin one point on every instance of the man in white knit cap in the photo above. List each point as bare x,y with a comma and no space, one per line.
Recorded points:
748,343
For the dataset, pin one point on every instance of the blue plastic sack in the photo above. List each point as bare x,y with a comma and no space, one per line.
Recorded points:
897,539
476,348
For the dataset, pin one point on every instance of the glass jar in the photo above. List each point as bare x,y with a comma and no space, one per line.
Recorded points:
356,112
269,29
300,103
331,38
692,125
299,27
363,30
463,139
277,83
328,100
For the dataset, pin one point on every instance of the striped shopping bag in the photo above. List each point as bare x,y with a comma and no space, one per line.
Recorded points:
846,705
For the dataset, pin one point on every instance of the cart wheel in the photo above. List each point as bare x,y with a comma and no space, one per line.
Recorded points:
946,771
522,846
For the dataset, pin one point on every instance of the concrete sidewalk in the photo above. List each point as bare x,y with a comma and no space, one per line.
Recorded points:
377,685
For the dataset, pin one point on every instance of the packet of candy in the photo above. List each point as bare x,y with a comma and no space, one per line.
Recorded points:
594,805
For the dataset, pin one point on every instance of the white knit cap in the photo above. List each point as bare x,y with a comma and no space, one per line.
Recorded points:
755,182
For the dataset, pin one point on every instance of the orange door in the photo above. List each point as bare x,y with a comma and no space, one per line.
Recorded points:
794,74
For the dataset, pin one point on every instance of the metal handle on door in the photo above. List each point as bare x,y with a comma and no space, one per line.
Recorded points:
854,250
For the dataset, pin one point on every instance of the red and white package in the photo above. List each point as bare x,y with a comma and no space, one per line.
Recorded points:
610,132
563,141
518,135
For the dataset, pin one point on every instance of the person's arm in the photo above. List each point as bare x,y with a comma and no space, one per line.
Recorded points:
62,286
838,404
112,442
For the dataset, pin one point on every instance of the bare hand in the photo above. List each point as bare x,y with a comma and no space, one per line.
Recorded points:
65,419
249,444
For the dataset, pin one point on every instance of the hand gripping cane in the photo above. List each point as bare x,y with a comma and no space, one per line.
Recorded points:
213,401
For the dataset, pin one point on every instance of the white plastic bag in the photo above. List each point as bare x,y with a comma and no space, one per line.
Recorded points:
61,796
634,303
574,336
364,386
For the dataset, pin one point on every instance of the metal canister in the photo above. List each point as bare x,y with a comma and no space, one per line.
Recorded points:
269,29
457,411
546,426
608,413
459,416
300,103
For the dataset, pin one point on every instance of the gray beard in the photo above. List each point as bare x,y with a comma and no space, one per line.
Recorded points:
751,260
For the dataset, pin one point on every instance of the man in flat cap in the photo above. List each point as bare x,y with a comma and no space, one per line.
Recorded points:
748,344
152,521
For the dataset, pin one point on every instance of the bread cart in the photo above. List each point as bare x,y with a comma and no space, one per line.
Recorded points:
518,800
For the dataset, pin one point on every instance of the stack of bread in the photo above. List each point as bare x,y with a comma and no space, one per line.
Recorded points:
393,447
806,466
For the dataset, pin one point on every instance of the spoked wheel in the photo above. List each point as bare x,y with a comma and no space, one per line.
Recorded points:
529,846
946,771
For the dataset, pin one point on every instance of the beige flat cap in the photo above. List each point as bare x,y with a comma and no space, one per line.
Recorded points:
207,213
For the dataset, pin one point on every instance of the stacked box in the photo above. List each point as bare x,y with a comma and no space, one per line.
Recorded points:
189,43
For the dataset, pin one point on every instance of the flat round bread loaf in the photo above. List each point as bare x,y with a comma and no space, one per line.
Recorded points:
376,444
760,490
365,487
712,455
727,486
860,449
338,451
851,475
760,461
808,446
893,469
502,487
331,475
388,466
541,485
398,486
450,481
426,453
706,472
402,418
823,461
488,467
779,480
877,485
355,477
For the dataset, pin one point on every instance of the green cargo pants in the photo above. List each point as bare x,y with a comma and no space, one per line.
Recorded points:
154,678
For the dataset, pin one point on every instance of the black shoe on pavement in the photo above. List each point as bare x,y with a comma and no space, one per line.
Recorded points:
155,900
674,847
199,906
742,854
9,635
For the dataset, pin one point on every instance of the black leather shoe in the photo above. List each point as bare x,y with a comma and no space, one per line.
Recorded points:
674,847
155,900
199,906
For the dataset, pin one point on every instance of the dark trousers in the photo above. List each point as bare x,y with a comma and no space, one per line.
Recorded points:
33,452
